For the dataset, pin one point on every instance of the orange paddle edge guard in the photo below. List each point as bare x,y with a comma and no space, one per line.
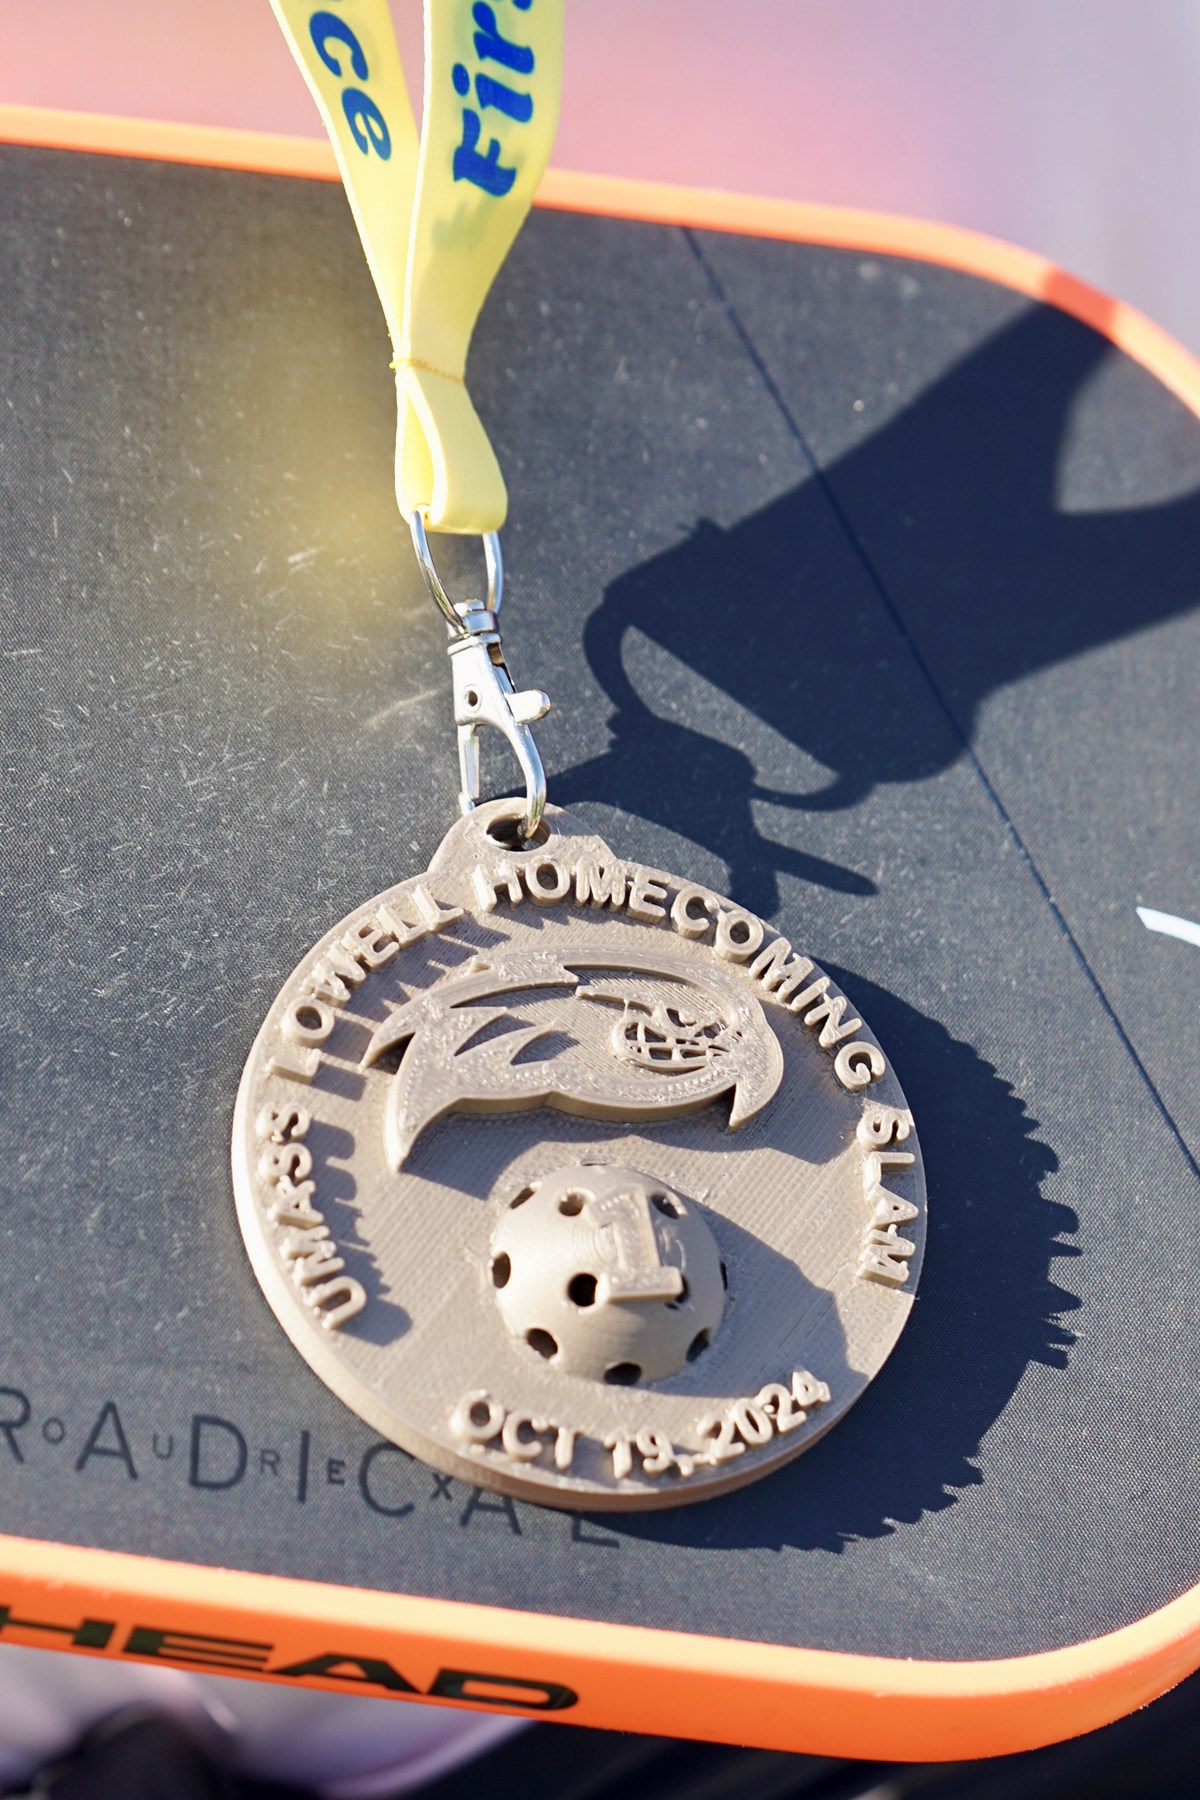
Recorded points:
349,1640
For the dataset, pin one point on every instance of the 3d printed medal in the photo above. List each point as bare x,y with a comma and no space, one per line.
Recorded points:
575,1179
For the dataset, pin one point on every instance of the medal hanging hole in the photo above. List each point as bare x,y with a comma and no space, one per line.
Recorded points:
542,1342
507,833
501,1270
623,1374
699,1345
581,1290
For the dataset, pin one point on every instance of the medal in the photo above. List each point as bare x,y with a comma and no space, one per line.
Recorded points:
570,1176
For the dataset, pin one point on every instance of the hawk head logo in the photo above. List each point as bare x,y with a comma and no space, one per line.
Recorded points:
683,1037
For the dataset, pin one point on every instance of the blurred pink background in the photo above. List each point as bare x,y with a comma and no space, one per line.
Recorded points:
1072,127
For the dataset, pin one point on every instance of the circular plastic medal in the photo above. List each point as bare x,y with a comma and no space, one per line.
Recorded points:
575,1179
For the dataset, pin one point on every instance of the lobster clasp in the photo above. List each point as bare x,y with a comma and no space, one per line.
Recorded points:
484,695
483,688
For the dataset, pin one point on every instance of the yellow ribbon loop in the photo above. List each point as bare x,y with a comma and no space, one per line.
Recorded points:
438,215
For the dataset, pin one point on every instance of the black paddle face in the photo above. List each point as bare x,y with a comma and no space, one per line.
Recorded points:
913,679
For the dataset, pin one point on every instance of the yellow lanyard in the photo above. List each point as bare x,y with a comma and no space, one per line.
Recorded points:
437,215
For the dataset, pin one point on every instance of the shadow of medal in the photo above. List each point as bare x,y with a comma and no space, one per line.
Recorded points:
575,1179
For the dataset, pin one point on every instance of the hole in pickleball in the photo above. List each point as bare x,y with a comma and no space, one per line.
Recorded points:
501,1270
542,1342
699,1345
525,1194
582,1290
481,1413
680,1298
573,1203
623,1374
724,1276
667,1205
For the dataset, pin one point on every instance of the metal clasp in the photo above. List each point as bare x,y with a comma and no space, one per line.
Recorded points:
483,688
